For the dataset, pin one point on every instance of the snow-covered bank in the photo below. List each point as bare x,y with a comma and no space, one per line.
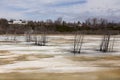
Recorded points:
60,47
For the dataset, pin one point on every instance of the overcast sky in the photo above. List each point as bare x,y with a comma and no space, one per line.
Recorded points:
70,10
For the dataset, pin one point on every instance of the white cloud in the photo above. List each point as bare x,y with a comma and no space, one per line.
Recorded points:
44,9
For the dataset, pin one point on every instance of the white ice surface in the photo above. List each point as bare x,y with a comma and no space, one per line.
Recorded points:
54,64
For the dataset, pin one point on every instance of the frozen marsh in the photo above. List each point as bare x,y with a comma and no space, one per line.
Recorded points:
25,59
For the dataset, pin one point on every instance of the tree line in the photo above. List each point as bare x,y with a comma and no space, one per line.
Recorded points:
91,26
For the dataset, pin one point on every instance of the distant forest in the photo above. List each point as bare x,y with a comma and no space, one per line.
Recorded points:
90,26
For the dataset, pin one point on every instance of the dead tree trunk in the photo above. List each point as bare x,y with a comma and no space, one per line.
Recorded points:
107,43
78,41
41,40
28,35
74,49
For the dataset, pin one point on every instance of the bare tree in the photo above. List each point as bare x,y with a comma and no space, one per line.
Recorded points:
78,42
42,39
108,41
